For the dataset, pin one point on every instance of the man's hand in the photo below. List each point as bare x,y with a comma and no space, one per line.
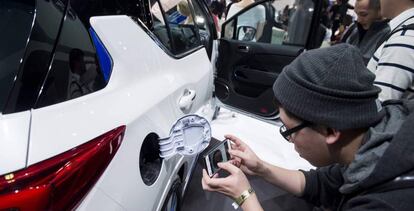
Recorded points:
232,186
244,157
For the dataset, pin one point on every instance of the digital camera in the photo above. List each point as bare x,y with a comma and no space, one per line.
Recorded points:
217,154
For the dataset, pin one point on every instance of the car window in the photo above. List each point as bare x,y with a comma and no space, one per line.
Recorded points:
159,27
85,9
179,23
272,23
16,20
40,42
77,69
201,21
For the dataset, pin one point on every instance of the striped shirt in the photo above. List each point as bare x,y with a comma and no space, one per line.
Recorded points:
393,62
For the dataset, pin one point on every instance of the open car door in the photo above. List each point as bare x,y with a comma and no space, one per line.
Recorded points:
256,43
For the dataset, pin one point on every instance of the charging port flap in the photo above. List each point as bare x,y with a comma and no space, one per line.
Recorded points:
190,135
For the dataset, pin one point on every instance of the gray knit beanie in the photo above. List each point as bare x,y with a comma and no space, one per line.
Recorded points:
330,86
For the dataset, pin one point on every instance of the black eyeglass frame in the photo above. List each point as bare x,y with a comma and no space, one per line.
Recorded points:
286,133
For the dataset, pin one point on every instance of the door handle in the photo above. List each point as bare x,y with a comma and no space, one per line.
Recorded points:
187,99
243,48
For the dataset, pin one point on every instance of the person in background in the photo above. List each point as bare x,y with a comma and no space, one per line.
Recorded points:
285,15
183,9
237,6
369,28
222,8
215,9
229,6
331,114
338,13
83,76
299,22
393,62
325,14
345,25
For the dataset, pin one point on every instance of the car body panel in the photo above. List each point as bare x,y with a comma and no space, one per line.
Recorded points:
94,199
14,137
126,90
143,94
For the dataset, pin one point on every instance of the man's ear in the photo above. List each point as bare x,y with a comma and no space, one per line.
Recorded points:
332,135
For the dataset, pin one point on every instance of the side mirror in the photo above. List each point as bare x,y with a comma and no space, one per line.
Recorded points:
246,33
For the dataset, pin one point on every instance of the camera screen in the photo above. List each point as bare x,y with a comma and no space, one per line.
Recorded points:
216,155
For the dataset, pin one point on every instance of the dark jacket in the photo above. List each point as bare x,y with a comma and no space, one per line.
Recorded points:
381,175
366,40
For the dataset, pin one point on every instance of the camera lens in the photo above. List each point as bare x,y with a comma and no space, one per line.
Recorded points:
217,158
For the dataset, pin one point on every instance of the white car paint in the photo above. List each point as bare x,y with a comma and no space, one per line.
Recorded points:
14,136
143,93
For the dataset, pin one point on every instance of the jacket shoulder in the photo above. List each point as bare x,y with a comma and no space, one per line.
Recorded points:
397,199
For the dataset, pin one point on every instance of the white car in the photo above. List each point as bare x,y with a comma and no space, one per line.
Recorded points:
93,91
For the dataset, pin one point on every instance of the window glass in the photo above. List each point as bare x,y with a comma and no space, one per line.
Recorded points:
158,24
299,21
85,9
75,69
272,23
202,23
16,19
181,24
29,47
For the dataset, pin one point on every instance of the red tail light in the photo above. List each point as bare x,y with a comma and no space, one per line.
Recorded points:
61,182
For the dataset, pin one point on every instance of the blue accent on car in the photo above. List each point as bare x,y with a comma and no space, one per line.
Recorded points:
176,18
173,203
105,60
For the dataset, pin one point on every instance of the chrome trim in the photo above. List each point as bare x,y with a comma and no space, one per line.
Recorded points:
404,178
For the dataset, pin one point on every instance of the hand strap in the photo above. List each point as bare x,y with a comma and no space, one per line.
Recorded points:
242,198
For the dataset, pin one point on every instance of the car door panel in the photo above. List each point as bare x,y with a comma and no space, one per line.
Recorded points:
248,63
248,70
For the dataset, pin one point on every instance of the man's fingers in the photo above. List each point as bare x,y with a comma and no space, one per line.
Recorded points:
207,183
246,170
238,154
215,184
228,167
205,173
236,162
205,177
203,180
234,139
237,143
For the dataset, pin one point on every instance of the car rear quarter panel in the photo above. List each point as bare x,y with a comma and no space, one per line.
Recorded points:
14,135
141,94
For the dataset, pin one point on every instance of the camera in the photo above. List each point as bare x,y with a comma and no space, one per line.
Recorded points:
217,154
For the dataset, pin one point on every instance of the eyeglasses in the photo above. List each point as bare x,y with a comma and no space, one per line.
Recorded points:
287,133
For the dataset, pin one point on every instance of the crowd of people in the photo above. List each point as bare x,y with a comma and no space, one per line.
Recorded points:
348,110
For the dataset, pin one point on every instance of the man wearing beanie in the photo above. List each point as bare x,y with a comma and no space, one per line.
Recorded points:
329,110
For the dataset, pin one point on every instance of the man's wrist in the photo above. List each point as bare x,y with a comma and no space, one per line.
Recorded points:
246,200
252,204
261,169
244,196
